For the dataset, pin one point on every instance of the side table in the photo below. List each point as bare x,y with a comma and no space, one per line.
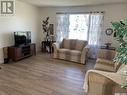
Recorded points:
108,48
47,46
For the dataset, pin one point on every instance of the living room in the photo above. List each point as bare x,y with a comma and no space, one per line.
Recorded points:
29,15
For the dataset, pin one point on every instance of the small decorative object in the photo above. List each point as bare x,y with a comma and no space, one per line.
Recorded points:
51,29
109,31
108,45
121,33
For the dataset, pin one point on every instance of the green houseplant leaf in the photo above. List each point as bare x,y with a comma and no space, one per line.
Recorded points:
121,36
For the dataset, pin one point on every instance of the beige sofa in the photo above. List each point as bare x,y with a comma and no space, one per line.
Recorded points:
71,50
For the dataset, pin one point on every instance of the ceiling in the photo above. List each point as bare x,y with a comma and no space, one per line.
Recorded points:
42,3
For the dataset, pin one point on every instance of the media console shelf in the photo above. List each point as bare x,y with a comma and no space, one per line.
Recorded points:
18,53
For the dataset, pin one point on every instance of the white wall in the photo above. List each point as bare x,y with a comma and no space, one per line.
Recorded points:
113,12
26,18
29,18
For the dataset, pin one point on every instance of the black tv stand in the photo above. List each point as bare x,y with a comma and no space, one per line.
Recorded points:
19,52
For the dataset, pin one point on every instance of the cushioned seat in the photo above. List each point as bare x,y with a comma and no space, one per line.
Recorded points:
105,65
70,52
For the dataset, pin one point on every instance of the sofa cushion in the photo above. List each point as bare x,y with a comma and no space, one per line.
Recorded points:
73,44
69,52
80,44
66,43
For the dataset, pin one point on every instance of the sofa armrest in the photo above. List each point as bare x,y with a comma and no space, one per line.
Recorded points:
56,46
84,53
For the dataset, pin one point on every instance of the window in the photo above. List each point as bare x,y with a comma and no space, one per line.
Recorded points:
78,28
83,27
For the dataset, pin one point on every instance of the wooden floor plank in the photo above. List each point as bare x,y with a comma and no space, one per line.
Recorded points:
42,75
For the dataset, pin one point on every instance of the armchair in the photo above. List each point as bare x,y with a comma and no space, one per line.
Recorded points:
105,61
104,83
71,49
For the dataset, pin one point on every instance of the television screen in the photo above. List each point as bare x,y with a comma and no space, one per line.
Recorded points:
22,38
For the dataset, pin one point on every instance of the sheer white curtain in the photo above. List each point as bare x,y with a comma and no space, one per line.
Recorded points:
94,33
62,29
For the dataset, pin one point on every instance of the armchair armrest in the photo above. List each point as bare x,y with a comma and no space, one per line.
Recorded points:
100,85
97,82
84,53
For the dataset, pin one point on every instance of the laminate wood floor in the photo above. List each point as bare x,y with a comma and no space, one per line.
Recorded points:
42,75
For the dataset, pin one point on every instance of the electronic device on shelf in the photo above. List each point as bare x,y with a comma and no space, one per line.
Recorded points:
22,38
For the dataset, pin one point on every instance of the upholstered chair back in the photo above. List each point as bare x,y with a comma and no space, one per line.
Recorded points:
106,54
105,57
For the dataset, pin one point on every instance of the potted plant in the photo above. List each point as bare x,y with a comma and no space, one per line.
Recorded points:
120,29
45,26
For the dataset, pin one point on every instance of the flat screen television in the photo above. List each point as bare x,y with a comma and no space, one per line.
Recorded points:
22,38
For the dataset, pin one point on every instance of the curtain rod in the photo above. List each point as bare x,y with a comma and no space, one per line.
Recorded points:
79,12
